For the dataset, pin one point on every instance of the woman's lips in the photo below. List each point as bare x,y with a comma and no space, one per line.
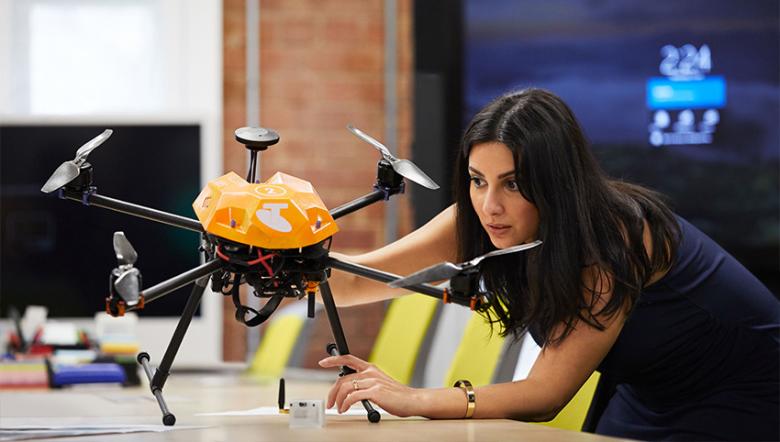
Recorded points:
497,229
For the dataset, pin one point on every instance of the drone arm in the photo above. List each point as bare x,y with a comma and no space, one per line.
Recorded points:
93,199
358,203
377,275
179,281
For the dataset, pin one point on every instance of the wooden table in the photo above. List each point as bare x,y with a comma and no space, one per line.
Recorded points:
188,395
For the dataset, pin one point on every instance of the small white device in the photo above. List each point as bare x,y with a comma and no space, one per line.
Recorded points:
307,414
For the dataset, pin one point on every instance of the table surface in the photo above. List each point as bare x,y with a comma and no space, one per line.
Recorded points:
190,394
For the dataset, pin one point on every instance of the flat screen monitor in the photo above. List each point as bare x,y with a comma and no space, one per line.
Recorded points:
682,97
59,253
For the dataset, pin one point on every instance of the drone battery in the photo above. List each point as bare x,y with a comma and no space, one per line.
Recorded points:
307,414
62,375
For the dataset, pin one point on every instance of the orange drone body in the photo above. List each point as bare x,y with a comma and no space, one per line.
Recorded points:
284,212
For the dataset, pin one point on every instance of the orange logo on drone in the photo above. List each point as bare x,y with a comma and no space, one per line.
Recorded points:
284,212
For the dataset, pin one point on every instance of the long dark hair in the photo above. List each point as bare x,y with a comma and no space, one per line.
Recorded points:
586,220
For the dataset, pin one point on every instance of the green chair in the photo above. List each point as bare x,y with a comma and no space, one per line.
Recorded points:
477,355
572,417
402,333
277,343
573,414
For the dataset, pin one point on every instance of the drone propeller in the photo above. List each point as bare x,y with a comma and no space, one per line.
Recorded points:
128,278
403,167
447,270
125,253
69,170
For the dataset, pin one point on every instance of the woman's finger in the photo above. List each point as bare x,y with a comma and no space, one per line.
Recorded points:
350,361
351,384
334,391
356,396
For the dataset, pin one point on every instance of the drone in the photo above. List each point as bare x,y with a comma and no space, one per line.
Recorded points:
274,236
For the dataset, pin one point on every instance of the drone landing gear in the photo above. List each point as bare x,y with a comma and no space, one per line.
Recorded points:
341,342
158,378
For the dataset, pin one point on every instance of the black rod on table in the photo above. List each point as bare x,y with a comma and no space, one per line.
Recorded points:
93,199
179,281
358,203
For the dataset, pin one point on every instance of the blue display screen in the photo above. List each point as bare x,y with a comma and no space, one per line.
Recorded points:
664,93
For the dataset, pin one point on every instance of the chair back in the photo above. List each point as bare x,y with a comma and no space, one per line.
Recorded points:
403,330
478,353
278,341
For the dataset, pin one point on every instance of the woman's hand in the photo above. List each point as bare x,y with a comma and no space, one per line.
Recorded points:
373,384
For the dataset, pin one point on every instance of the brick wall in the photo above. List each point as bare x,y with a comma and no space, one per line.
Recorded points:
321,67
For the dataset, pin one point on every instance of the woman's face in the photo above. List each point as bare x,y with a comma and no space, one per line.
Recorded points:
507,217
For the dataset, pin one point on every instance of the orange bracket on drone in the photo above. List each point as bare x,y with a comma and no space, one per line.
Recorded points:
121,307
311,286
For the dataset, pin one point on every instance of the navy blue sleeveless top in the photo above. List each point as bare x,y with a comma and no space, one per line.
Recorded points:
699,357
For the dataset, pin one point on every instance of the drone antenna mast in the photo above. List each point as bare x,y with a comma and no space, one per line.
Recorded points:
256,140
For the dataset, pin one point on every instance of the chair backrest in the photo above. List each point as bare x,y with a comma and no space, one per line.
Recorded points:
573,414
403,330
440,345
278,341
477,355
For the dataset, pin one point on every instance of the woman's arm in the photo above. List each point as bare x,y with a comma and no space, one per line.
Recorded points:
559,372
556,376
430,244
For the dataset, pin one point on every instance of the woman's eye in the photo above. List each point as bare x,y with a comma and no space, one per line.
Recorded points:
512,185
476,181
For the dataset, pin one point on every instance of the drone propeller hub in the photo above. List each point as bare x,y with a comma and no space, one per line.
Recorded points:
84,179
387,177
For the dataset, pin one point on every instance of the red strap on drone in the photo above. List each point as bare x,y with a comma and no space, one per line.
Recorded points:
222,255
261,259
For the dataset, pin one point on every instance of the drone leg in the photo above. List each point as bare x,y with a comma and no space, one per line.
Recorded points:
341,341
157,381
168,418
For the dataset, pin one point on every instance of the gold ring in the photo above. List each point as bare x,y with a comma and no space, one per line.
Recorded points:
355,384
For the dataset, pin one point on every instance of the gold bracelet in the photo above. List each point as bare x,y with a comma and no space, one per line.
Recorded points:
471,397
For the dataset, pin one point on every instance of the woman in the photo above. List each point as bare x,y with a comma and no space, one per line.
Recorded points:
619,284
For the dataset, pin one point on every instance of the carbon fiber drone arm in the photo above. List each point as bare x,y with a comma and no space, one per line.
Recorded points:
378,275
179,281
90,198
358,203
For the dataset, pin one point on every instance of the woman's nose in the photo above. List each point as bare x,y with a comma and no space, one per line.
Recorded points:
492,204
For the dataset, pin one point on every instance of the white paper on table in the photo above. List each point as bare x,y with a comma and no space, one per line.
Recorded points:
26,432
274,411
